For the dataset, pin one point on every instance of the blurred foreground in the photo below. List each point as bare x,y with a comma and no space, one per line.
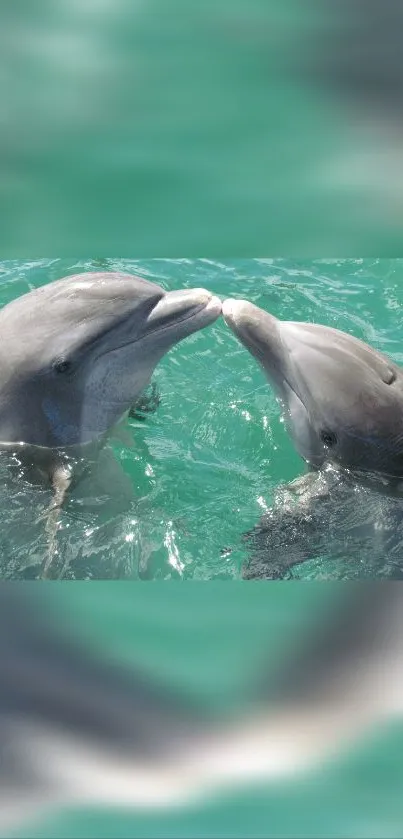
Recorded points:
232,127
201,710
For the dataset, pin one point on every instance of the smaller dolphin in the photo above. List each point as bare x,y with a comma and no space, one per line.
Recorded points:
342,400
76,354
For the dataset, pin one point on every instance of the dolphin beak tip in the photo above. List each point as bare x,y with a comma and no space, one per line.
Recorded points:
214,305
231,309
210,303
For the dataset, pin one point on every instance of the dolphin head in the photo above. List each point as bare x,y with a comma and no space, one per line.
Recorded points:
343,400
76,353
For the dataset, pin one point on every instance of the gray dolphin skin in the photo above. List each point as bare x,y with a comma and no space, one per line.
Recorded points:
343,406
74,356
76,353
343,400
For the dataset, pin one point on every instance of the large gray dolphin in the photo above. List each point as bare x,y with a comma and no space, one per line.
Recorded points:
342,401
74,356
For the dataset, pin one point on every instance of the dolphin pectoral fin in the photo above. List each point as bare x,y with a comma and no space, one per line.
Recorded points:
61,481
146,404
103,492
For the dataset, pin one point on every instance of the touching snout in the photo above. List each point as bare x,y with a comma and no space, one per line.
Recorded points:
178,306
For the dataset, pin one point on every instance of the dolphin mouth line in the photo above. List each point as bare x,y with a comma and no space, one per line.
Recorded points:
253,343
200,308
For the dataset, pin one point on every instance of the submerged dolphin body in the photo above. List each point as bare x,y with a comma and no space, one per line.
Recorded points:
76,354
343,405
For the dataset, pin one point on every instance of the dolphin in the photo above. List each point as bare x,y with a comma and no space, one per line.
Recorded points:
343,407
75,354
78,729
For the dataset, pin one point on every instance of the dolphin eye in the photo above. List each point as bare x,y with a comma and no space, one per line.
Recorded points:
328,438
389,376
62,365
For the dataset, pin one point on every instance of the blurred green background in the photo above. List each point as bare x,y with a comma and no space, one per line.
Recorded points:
163,128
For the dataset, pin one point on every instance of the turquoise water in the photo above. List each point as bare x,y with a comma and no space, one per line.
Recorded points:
201,469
